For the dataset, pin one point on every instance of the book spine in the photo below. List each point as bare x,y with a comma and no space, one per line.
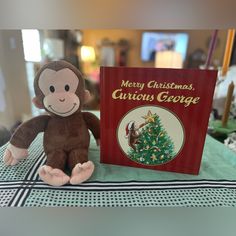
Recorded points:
102,144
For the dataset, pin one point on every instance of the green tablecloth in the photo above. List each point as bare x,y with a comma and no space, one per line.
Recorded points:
218,162
113,185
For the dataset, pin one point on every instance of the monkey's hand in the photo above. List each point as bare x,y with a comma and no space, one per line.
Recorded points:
98,142
14,154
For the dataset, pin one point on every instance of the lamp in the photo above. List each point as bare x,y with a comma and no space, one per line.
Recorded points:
87,54
168,59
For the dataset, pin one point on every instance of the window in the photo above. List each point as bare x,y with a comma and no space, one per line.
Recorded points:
32,55
31,45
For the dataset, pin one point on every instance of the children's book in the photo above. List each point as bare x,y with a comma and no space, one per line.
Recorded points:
155,118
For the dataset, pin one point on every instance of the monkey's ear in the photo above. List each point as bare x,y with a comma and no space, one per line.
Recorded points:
37,103
87,96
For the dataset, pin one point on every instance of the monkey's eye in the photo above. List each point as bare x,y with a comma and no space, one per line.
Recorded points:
67,87
52,89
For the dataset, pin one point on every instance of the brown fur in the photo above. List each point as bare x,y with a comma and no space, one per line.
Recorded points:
66,139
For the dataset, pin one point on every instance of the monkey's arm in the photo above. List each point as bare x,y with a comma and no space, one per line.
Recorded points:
26,132
142,125
136,135
93,123
23,137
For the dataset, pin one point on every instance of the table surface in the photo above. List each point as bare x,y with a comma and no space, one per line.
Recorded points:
112,185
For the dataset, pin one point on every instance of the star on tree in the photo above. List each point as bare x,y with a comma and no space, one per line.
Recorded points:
149,117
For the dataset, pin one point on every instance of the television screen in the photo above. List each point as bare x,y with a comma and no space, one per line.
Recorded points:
153,42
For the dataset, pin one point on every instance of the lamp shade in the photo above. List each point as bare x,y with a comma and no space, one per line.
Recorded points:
87,54
168,59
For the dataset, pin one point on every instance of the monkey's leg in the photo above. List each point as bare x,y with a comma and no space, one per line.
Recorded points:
133,146
52,173
82,169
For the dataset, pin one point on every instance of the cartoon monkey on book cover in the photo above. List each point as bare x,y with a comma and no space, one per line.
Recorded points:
133,134
59,89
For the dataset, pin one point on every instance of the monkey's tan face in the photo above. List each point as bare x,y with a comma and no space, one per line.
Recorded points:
59,88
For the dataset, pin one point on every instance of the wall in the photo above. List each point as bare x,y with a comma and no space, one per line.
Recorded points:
198,39
13,67
93,38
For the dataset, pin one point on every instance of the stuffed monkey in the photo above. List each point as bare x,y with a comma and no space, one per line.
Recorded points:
59,89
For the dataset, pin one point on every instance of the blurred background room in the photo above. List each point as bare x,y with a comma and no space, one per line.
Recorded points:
23,52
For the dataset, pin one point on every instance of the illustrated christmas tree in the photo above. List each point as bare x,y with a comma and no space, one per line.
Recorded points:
154,145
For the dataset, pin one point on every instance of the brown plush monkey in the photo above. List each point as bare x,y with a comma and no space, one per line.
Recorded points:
59,88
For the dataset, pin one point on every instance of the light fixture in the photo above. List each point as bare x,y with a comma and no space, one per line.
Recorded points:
168,59
87,54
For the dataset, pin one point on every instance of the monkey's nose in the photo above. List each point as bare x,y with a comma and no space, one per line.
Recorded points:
62,100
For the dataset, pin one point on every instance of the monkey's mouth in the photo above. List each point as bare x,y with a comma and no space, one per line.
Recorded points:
50,106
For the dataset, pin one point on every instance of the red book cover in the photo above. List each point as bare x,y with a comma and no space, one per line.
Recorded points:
155,118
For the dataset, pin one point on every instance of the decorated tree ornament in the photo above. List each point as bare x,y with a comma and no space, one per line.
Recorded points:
141,159
153,157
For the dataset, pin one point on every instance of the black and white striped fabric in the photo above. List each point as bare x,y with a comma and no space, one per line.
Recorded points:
20,186
113,194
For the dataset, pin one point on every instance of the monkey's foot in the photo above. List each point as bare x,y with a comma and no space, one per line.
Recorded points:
81,172
54,177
